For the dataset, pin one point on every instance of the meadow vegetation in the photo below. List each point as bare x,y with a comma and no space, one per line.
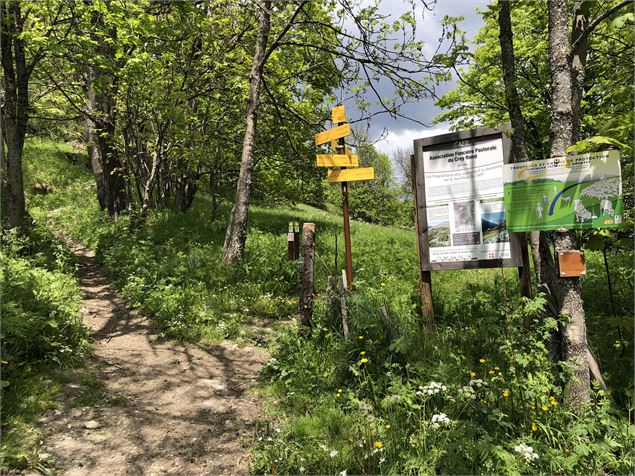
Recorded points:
476,394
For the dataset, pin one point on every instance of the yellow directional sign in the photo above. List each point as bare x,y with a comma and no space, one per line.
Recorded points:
338,114
335,133
337,160
351,175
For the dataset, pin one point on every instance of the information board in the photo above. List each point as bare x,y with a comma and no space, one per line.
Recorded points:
460,193
572,192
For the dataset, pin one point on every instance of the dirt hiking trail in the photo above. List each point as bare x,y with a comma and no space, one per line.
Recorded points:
159,407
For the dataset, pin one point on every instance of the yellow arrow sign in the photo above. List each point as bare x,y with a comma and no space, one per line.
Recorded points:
338,114
335,133
351,175
337,160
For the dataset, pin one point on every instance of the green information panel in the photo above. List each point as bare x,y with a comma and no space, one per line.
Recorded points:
572,192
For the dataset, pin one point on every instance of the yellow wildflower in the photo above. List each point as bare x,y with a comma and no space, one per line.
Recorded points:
534,427
387,426
363,360
378,444
481,361
360,337
363,352
545,408
497,368
382,284
491,372
505,394
472,374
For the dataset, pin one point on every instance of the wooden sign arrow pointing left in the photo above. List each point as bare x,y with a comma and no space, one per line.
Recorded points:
335,133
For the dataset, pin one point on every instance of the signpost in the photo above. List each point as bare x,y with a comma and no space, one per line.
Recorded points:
340,158
573,192
461,220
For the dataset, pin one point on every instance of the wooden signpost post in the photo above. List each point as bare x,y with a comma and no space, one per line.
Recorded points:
340,158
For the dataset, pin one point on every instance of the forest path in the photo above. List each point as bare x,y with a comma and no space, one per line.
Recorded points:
146,407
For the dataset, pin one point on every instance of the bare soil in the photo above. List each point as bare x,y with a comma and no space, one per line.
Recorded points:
151,407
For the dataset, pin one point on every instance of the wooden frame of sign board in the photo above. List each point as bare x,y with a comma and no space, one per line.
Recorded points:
441,142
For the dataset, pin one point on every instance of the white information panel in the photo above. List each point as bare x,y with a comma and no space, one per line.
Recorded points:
464,199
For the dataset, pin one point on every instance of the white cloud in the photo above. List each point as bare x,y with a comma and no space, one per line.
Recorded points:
402,139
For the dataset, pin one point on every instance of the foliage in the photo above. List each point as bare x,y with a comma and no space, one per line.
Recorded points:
461,401
374,201
169,269
41,331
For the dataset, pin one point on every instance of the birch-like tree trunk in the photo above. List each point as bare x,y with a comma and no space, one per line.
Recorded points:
574,342
236,234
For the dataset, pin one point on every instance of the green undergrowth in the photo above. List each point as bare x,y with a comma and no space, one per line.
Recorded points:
362,405
41,333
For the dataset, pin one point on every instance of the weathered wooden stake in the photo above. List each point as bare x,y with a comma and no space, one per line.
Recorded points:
306,286
343,311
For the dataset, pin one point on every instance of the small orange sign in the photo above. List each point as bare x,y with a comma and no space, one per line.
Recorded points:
571,264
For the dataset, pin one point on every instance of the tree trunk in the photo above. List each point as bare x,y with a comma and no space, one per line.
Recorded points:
94,151
15,110
114,181
574,343
236,234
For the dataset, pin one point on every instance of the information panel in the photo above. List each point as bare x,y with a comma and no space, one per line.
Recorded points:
572,192
464,208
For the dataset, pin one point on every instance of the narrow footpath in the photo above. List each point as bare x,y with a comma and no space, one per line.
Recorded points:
146,407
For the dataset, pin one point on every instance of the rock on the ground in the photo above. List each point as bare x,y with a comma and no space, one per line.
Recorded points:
92,425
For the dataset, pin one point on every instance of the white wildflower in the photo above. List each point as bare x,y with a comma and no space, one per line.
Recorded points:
322,446
277,430
334,453
382,460
432,389
526,452
301,469
342,473
468,391
440,419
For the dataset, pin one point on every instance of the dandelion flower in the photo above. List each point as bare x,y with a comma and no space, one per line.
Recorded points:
481,361
360,337
363,360
505,394
472,374
363,352
545,408
534,427
378,444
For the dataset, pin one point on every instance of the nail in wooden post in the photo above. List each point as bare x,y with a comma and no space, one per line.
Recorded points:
306,286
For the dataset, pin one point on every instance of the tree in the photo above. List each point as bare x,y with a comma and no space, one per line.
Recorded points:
15,84
366,51
569,85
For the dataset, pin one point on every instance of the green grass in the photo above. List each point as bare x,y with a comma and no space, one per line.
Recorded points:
170,268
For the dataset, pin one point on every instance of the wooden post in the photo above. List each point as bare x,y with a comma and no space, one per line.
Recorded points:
343,311
524,276
306,287
293,239
425,277
341,149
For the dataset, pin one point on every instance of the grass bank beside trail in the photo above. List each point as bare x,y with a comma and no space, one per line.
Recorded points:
42,337
476,395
